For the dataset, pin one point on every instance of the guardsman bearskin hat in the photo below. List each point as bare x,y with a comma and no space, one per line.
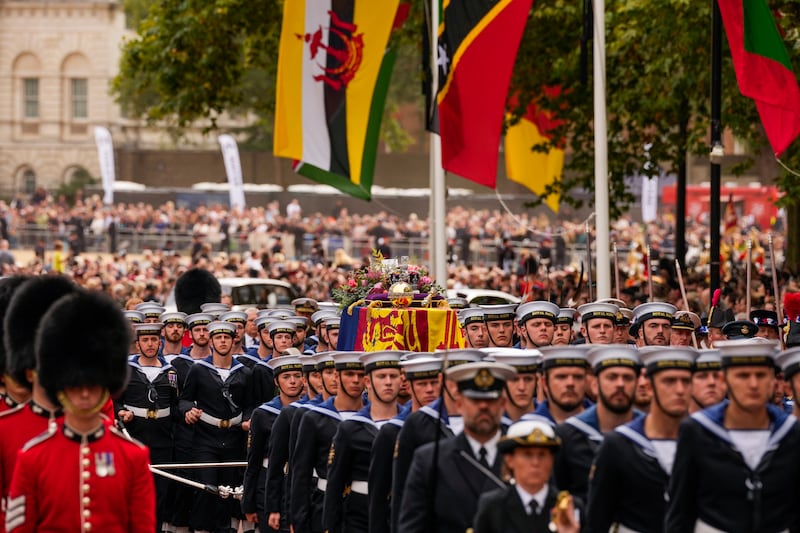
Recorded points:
195,287
31,300
7,288
67,355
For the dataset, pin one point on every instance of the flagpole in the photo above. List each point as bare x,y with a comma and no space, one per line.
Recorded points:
716,146
438,209
602,238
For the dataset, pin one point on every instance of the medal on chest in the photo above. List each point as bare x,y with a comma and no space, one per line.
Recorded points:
104,464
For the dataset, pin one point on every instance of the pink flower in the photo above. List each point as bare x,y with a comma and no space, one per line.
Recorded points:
424,281
351,282
413,268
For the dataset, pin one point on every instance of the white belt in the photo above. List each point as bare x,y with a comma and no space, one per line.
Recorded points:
702,527
220,423
359,487
150,414
322,484
265,462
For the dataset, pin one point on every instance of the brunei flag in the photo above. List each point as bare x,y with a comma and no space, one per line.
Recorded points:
477,48
333,75
531,159
763,68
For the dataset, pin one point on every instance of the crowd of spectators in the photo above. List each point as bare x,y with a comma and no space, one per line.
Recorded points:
532,256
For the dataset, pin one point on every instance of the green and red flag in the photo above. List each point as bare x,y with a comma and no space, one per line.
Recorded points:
763,68
477,48
333,76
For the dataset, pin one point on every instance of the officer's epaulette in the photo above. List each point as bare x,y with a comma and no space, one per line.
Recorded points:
114,431
13,410
39,438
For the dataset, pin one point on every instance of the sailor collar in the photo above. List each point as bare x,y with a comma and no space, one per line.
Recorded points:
713,418
364,415
273,406
433,409
134,362
588,423
209,362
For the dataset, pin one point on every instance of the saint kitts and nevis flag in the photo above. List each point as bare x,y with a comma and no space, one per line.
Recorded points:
763,69
333,75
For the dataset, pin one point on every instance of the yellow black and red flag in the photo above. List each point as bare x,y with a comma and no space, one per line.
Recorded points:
477,47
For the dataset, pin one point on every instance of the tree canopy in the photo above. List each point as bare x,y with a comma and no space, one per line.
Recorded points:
194,59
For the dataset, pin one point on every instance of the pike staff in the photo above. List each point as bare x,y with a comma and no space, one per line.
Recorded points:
775,289
749,275
683,295
616,270
589,261
649,276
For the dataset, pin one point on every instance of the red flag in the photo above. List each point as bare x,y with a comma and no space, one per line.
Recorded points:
763,69
478,42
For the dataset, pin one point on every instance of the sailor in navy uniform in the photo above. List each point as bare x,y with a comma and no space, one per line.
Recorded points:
708,385
499,320
172,334
423,377
346,507
151,310
238,319
652,323
439,419
282,332
564,379
616,367
598,322
133,317
320,336
216,400
215,308
630,475
149,407
563,333
447,478
537,320
474,328
521,390
527,505
736,466
312,446
789,361
276,504
288,371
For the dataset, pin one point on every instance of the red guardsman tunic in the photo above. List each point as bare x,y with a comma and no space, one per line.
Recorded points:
17,427
65,482
6,403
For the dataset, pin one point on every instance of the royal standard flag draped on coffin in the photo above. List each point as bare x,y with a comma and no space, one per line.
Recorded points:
333,75
415,330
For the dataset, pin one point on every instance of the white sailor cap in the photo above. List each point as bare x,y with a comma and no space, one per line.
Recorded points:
285,363
537,309
239,317
470,315
334,322
494,313
598,310
150,309
264,321
133,316
609,355
215,308
646,311
380,360
525,361
348,360
658,358
324,360
329,306
566,315
218,327
148,328
565,355
281,326
321,315
280,314
453,358
482,380
612,301
789,361
427,367
309,363
198,319
708,359
755,351
298,321
457,302
173,317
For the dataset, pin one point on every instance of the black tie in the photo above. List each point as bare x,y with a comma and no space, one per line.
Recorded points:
482,457
533,506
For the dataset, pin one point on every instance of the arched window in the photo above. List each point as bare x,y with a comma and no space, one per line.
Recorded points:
75,83
27,73
28,181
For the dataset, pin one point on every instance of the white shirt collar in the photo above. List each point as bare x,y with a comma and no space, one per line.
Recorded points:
490,445
526,496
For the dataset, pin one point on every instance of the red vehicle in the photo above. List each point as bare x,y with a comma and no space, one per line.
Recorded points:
756,201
